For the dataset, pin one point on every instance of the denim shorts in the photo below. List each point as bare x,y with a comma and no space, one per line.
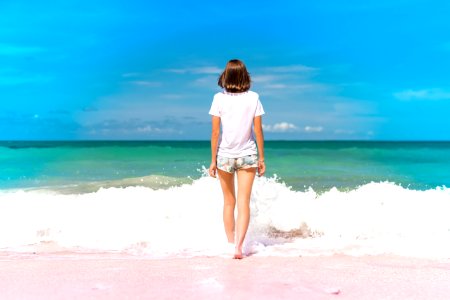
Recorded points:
232,164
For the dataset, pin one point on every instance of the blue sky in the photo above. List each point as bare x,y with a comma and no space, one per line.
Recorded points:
364,70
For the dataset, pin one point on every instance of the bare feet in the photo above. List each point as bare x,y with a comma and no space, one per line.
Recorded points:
238,253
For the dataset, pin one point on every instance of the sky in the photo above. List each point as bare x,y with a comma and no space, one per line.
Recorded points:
147,70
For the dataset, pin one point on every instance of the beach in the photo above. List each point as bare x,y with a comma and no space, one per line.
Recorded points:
66,276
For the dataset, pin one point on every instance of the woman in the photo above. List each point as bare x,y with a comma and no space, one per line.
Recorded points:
238,111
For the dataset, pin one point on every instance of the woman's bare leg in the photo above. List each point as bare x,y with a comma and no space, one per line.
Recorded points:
229,202
245,183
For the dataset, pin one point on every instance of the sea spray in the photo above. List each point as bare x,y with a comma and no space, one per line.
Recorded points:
186,220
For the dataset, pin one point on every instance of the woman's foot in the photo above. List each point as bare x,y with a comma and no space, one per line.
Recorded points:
238,253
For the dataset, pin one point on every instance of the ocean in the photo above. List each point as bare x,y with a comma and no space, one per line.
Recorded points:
154,199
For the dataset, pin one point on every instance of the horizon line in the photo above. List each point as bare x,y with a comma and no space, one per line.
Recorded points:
207,140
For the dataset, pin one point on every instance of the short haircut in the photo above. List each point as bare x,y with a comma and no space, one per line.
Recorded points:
235,78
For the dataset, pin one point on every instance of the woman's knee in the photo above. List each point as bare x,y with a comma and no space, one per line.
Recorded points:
229,201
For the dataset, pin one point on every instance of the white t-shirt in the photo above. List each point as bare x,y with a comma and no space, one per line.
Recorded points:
236,112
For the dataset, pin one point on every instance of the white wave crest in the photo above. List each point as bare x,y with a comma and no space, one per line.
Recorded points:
187,220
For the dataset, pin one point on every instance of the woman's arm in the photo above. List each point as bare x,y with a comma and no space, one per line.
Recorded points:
259,135
214,144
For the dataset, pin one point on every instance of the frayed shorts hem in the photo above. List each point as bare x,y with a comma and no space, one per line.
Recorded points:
231,165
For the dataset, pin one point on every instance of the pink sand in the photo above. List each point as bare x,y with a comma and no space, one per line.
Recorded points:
122,277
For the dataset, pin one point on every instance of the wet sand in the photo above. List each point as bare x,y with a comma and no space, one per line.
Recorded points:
125,277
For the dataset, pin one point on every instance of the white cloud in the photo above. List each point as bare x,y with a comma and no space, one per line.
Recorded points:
289,127
291,69
177,71
131,74
207,81
264,78
277,86
424,94
280,127
311,87
311,129
147,83
197,70
131,128
149,129
291,79
217,70
207,70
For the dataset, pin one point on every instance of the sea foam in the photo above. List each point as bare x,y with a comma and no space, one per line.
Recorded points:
186,220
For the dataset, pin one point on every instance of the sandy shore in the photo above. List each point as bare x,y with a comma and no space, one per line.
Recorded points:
118,277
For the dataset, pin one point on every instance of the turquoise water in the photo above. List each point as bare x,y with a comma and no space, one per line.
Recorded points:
320,165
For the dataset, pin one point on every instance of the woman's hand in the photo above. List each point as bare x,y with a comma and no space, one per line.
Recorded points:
213,169
261,167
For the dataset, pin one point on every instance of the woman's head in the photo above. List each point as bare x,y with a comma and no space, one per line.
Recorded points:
235,78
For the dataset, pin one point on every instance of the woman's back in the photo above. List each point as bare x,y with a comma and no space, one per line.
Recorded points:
237,111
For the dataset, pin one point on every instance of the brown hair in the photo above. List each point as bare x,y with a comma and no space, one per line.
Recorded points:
235,78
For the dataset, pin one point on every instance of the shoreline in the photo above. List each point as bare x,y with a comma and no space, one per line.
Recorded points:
98,276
